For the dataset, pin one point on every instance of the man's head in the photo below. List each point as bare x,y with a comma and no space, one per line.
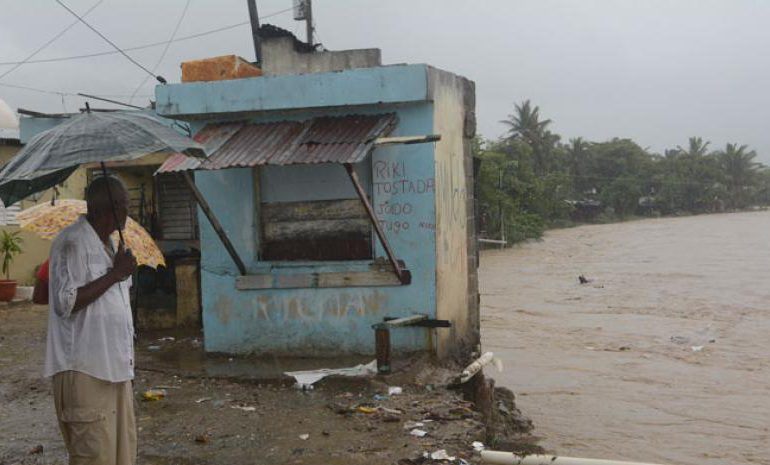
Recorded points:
100,209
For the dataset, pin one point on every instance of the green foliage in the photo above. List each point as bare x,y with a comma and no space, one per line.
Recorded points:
529,181
10,246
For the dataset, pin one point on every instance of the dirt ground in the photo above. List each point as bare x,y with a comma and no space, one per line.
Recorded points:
225,410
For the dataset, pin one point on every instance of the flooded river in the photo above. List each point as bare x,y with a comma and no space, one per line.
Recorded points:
663,357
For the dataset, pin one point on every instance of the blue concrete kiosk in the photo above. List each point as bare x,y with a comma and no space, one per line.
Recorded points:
421,195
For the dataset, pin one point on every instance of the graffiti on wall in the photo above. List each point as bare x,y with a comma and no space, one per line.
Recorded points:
392,181
278,309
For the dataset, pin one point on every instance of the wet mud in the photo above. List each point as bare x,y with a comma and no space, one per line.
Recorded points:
219,409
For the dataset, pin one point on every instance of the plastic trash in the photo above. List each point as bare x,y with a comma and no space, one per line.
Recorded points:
364,409
154,394
395,390
304,437
203,399
441,455
478,446
418,433
413,424
696,348
308,377
245,408
167,339
379,397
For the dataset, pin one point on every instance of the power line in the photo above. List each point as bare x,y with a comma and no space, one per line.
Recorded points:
159,78
165,49
53,39
61,93
142,47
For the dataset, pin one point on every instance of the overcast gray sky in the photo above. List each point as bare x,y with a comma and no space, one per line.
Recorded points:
657,71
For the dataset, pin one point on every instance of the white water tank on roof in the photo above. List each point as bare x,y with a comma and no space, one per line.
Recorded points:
8,118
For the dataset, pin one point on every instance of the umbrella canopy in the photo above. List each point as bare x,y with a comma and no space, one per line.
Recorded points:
91,137
48,220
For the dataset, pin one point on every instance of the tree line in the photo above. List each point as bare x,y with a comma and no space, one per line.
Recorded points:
530,180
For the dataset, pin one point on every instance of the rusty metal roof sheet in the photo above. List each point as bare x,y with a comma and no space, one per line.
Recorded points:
343,139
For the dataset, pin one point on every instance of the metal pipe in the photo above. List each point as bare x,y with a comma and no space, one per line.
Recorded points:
309,19
382,349
508,458
254,18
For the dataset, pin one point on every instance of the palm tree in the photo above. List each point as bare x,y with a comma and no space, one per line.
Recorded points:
697,148
525,124
740,170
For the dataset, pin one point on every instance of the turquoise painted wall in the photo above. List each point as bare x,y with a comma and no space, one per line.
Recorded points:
308,322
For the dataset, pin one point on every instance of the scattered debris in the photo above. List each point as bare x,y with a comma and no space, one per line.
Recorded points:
583,280
367,410
418,433
153,348
245,408
310,377
478,446
696,348
413,424
154,394
167,339
395,390
680,340
203,399
304,437
391,411
440,455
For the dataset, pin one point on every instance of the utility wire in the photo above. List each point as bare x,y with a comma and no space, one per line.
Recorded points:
142,47
53,39
159,78
66,94
163,54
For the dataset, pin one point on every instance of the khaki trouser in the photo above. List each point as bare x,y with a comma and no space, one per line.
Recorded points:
96,419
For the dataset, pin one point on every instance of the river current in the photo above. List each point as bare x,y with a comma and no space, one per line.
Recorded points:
662,357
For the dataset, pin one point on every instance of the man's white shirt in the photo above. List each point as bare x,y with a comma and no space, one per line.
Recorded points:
97,340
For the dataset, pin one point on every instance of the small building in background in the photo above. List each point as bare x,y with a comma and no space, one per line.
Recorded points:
162,204
286,151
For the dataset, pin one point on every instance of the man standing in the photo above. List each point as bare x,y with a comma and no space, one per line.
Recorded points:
90,347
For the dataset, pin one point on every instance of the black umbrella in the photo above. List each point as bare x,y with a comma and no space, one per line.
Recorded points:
92,137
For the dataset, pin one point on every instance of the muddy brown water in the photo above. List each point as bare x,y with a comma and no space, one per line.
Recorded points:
662,358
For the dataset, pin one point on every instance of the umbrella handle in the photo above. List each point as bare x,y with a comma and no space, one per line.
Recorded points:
112,207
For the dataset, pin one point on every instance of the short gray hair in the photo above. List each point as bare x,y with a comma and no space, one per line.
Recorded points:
101,190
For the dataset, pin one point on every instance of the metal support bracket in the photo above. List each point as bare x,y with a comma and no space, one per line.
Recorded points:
214,222
404,275
382,335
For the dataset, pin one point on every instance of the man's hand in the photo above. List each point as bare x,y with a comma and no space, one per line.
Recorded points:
124,264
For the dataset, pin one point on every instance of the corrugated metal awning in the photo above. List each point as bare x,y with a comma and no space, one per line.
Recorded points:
344,139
